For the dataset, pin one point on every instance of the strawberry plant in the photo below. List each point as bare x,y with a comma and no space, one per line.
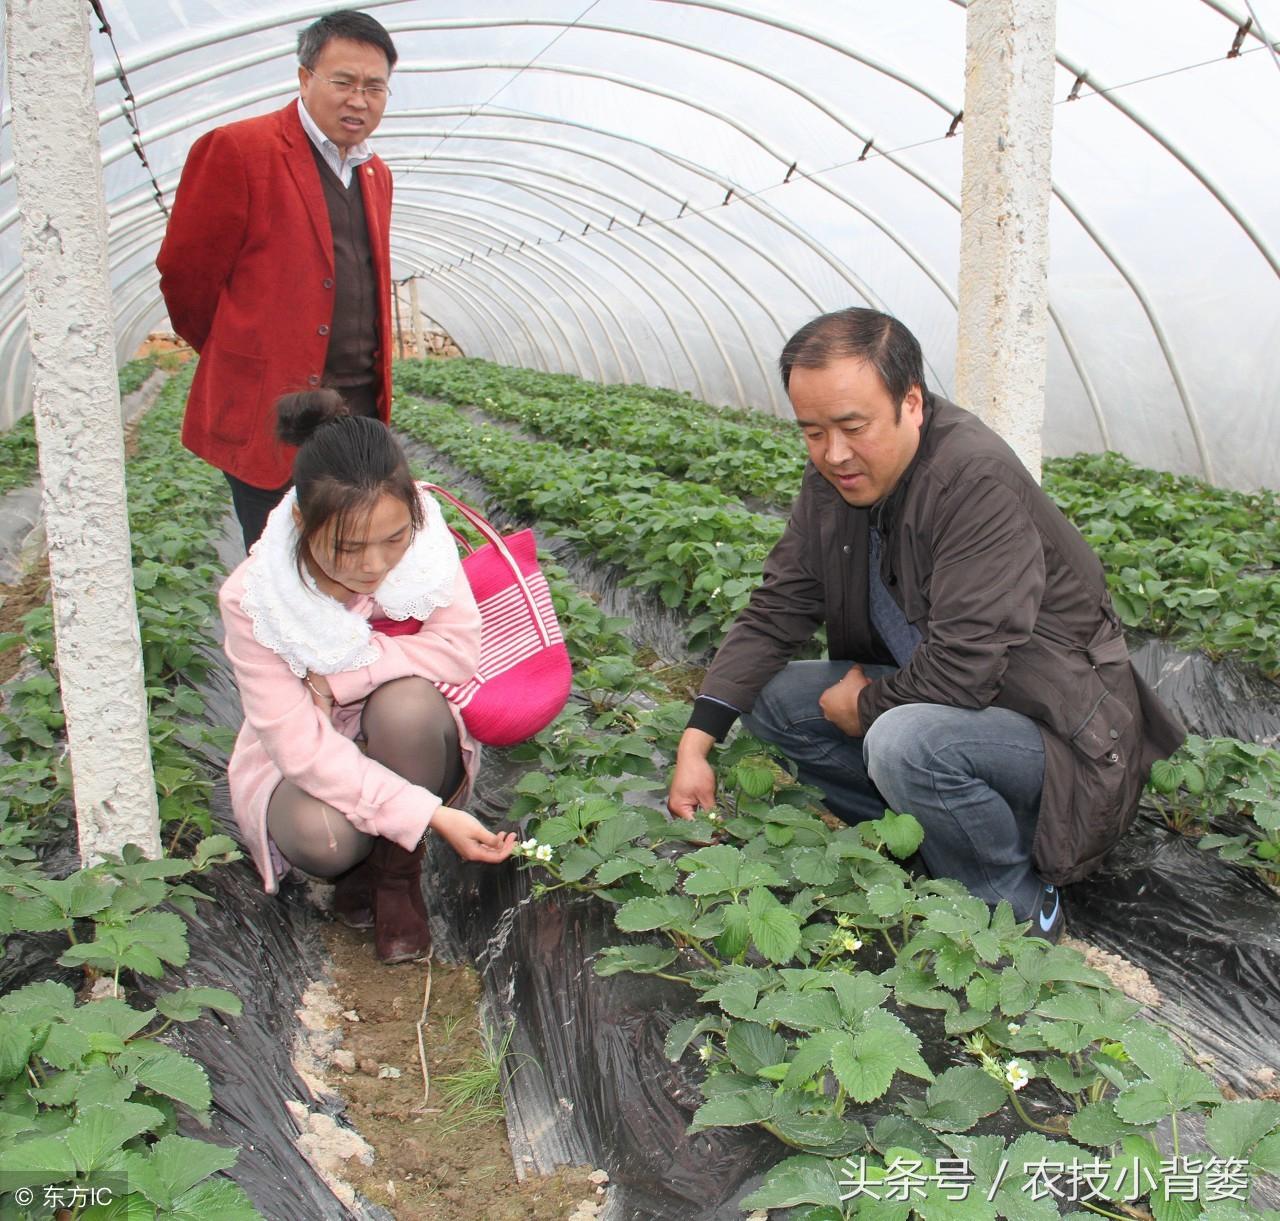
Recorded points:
688,439
88,1093
18,457
1183,558
694,547
1208,781
134,373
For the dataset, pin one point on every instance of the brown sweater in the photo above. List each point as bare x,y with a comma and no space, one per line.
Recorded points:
353,338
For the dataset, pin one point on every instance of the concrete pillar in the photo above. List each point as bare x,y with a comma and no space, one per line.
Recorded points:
77,415
1002,337
415,308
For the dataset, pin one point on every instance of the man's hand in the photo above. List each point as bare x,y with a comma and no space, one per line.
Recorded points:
470,838
693,786
840,703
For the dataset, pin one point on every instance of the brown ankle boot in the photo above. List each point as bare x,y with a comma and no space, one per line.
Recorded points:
400,929
353,895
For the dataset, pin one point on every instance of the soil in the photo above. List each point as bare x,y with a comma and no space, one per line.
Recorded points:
1132,980
131,437
166,345
15,601
455,1167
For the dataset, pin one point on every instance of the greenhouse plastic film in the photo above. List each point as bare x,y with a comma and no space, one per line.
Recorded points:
671,189
19,518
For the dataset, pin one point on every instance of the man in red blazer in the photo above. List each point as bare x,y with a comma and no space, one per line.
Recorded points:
276,266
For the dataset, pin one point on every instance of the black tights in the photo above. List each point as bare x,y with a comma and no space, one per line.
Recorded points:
407,727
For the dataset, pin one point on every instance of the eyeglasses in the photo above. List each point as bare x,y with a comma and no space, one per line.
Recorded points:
375,92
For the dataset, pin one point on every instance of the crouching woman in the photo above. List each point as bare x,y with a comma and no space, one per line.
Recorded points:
349,610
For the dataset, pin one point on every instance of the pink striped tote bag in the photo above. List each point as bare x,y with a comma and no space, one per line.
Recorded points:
524,675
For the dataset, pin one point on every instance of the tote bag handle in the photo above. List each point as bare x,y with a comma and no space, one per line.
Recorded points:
483,527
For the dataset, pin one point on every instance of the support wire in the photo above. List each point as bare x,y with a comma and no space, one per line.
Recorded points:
130,109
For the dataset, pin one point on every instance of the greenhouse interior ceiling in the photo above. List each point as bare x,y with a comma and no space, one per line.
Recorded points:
661,191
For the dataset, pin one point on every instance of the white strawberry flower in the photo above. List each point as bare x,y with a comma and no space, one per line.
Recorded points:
1014,1028
543,852
527,847
1016,1075
851,944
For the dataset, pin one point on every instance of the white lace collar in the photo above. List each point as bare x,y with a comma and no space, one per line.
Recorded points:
313,631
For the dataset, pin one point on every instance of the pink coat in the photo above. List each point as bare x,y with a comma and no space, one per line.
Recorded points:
286,735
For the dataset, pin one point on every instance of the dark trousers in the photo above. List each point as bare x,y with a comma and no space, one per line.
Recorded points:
972,776
253,505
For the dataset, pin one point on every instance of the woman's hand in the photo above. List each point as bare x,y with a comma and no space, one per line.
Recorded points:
321,692
470,838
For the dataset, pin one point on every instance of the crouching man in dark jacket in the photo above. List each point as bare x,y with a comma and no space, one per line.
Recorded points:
978,677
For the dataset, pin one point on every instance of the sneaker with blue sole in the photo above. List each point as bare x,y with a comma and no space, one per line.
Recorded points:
1048,920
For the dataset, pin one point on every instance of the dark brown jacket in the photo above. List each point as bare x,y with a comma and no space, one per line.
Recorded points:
1013,610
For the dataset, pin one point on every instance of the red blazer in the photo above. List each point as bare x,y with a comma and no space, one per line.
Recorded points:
246,269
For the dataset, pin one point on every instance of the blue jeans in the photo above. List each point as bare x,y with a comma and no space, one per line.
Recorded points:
971,776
